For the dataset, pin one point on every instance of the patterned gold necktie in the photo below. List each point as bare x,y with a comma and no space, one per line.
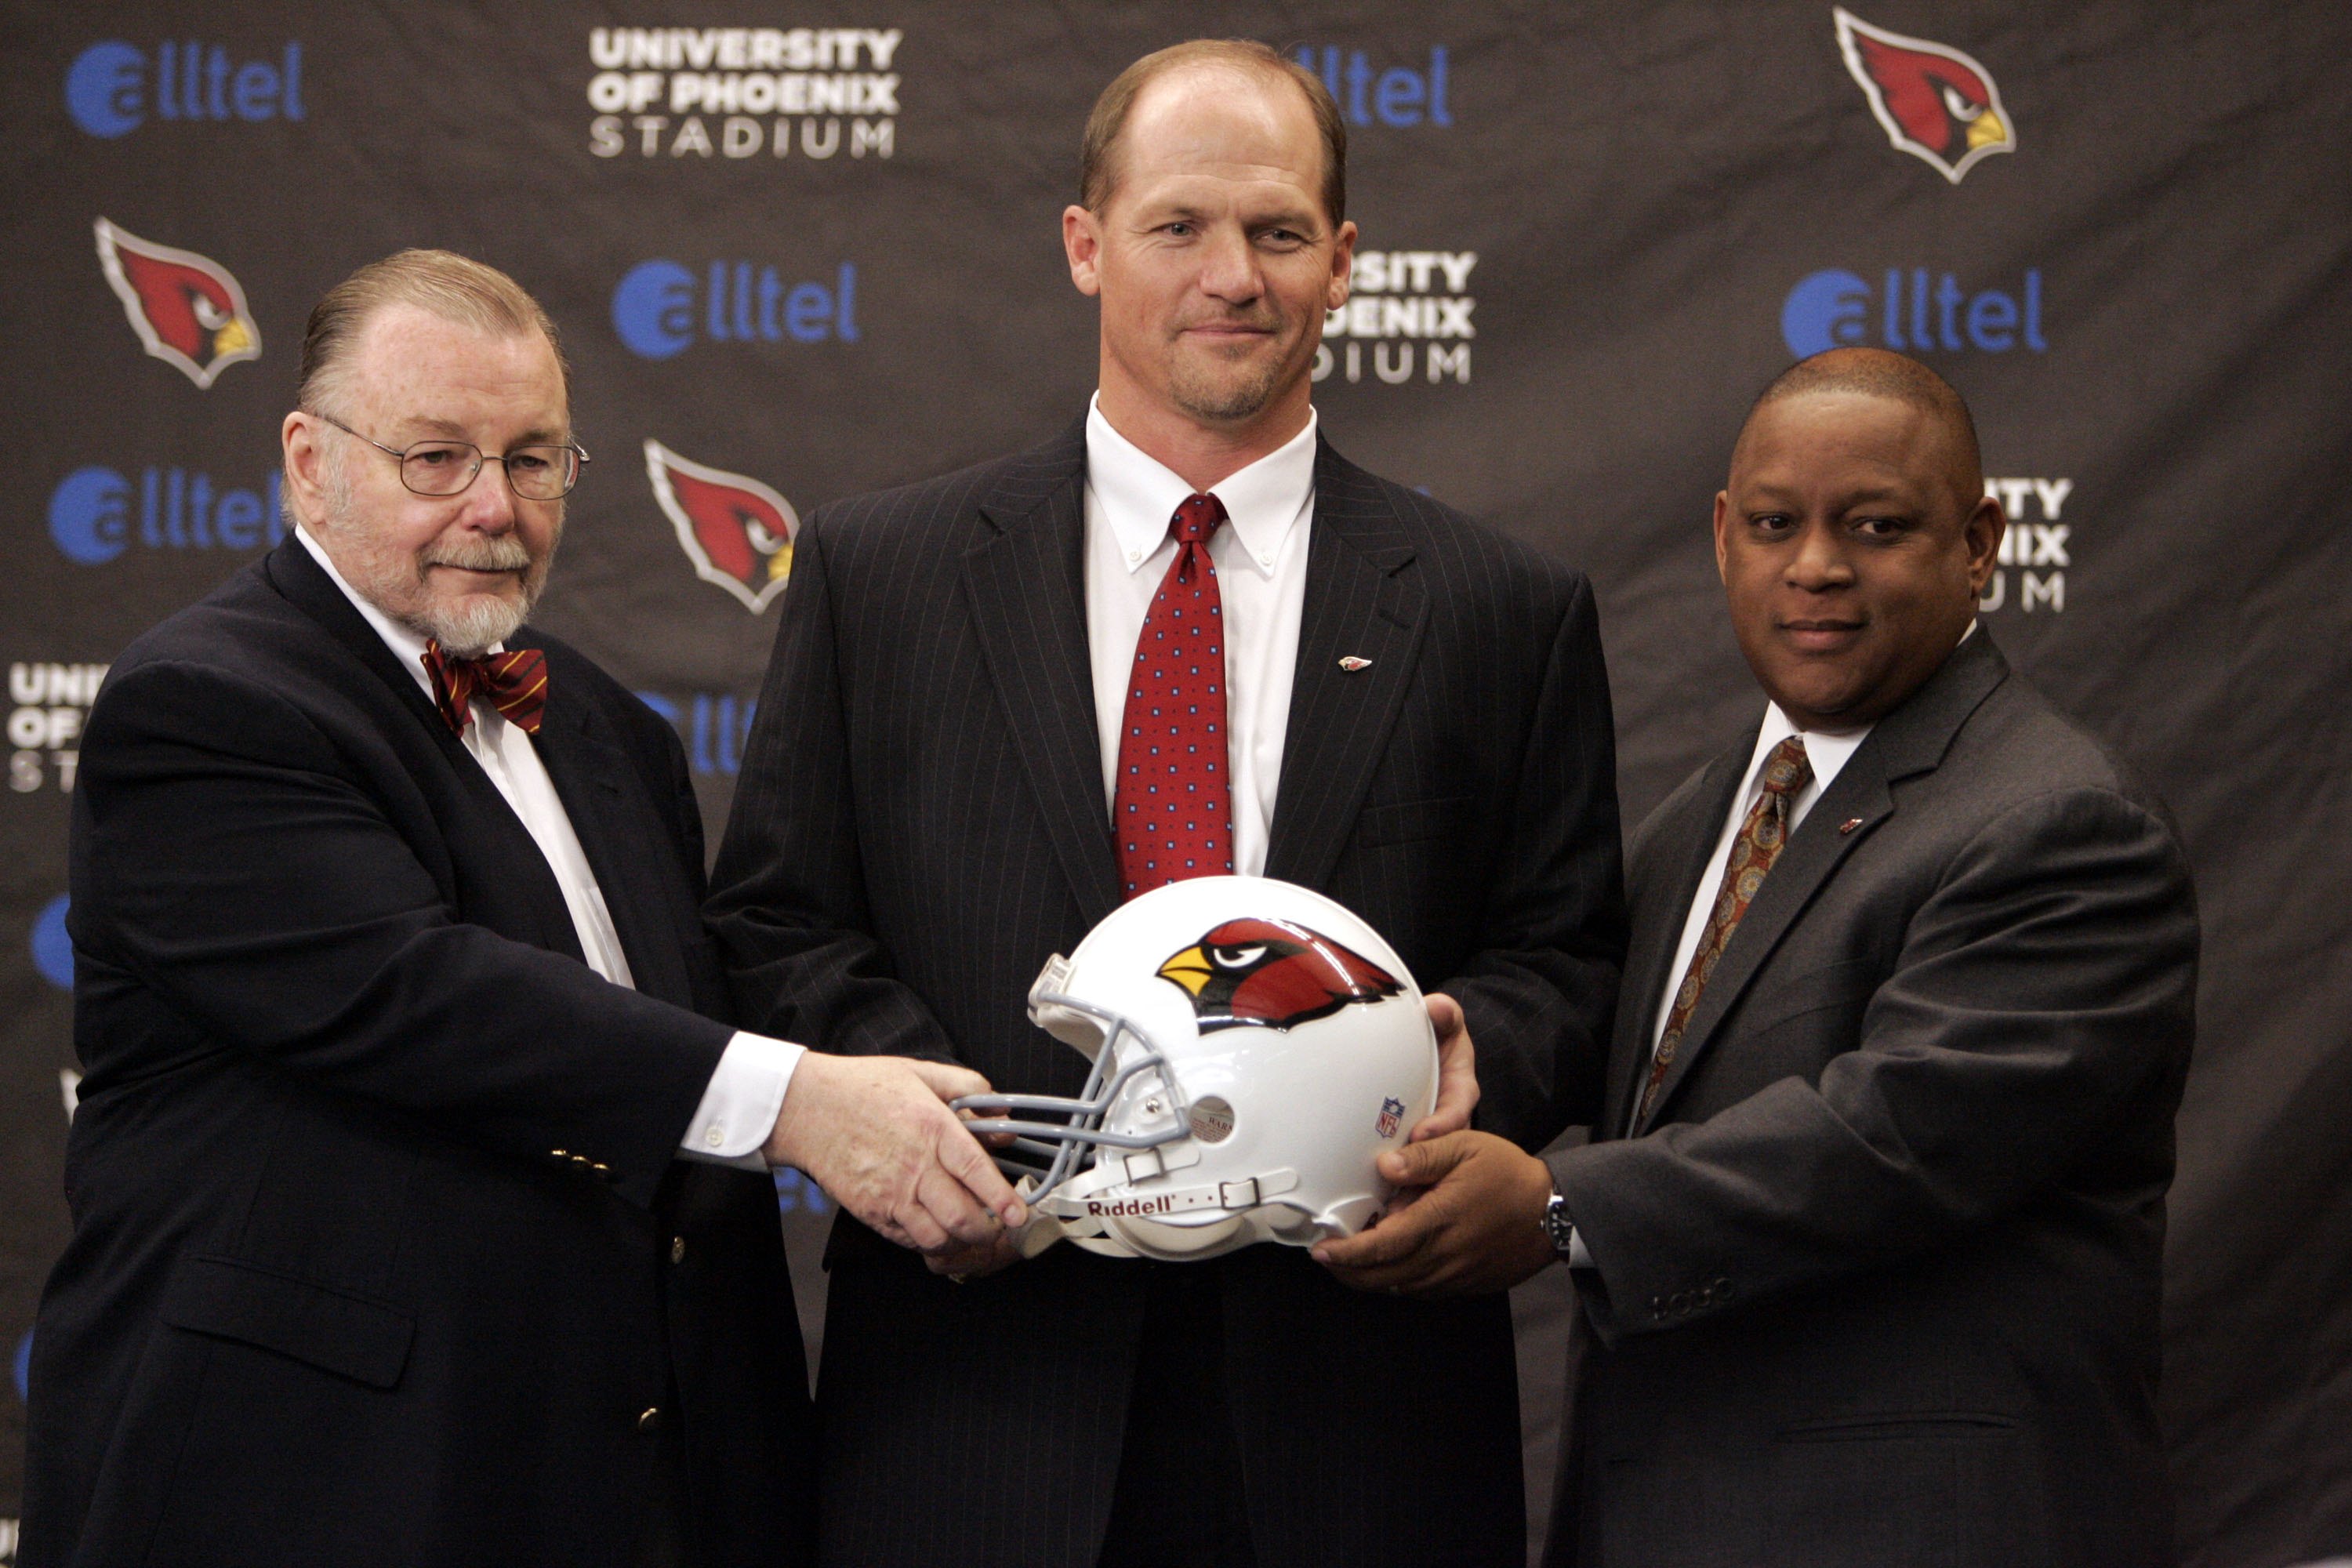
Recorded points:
1757,845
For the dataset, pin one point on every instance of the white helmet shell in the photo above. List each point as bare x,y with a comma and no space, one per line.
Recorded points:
1256,1047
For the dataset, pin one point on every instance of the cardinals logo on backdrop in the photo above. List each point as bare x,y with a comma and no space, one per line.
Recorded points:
736,530
1936,102
185,308
1274,975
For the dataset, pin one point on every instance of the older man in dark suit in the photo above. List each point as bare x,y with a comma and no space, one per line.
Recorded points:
1868,1238
1415,722
405,1229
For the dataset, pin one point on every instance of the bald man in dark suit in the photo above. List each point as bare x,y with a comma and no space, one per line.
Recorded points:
1868,1239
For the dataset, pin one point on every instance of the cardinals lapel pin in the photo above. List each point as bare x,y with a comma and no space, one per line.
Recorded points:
1353,663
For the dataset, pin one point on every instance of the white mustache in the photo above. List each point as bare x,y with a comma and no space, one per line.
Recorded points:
506,555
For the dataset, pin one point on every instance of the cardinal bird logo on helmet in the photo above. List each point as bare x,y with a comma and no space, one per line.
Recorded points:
1273,974
185,308
736,530
1936,102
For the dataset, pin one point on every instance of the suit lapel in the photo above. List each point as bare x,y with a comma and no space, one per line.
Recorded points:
1910,741
493,839
1363,601
305,585
1688,834
1026,589
619,833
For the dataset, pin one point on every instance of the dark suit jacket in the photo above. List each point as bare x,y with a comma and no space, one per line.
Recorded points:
921,821
1878,1281
372,1179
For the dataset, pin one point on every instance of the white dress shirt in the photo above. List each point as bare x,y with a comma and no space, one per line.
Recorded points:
739,1108
1260,556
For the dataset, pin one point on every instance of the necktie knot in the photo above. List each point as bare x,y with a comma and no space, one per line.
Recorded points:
1788,770
514,682
1197,519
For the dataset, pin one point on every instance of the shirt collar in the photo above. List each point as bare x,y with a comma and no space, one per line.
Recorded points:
407,647
1826,751
1138,494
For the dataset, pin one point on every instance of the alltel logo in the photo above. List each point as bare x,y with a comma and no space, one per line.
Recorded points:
1912,312
660,307
111,87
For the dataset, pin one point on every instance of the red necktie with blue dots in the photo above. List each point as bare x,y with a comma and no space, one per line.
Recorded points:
1172,811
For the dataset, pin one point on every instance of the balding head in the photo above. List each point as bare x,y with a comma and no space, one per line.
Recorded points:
1098,151
1877,373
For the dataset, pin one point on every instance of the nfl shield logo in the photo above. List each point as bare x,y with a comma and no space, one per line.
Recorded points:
1391,1116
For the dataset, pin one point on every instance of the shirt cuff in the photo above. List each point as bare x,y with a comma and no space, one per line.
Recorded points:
1578,1255
739,1108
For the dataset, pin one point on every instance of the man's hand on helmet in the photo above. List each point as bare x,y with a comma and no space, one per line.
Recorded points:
1469,1221
876,1135
1457,1072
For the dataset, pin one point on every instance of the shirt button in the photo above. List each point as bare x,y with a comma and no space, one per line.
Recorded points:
714,1135
678,1249
1134,555
650,1419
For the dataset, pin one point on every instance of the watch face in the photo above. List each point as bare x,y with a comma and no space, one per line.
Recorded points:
1556,1225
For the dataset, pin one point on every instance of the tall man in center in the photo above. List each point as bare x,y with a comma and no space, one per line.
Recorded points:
1415,722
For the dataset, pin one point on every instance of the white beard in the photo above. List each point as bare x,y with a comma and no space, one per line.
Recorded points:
466,625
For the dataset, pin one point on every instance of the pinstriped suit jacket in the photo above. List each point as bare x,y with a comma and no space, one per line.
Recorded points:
921,821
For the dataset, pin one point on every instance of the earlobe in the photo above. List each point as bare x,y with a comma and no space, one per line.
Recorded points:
301,453
1986,526
1343,268
1081,243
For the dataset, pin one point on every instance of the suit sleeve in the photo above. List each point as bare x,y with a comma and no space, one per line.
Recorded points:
2041,1006
229,857
1539,992
789,907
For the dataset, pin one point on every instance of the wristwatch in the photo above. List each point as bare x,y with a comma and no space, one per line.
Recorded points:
1557,1228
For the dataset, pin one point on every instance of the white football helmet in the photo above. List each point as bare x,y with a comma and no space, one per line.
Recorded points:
1255,1046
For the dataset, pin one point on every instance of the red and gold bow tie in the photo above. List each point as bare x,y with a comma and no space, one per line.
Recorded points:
515,683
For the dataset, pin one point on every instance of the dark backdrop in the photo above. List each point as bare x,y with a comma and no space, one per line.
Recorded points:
811,250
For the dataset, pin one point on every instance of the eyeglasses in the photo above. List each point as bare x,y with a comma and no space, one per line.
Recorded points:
447,467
